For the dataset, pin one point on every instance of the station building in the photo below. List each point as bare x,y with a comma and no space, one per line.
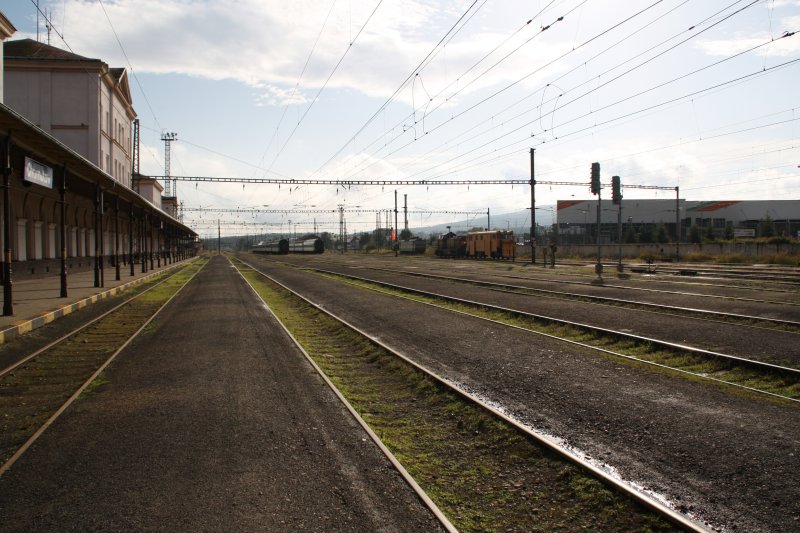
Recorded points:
73,198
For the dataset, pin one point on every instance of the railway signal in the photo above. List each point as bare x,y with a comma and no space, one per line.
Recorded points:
595,184
616,190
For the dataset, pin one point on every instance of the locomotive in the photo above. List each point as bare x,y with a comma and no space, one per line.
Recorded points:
451,245
496,244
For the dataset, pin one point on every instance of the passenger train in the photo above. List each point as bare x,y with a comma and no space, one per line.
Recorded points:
310,244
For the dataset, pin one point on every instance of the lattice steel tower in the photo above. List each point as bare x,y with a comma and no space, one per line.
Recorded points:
170,189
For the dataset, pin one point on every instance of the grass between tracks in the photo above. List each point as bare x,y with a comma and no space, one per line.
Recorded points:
31,393
483,473
728,372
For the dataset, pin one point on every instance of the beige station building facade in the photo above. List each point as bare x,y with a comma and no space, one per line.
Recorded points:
72,195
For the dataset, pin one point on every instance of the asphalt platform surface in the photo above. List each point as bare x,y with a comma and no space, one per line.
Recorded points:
212,421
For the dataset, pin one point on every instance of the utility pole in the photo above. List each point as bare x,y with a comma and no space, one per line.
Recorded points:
488,220
378,240
169,185
677,224
533,211
405,211
616,198
342,236
595,187
396,236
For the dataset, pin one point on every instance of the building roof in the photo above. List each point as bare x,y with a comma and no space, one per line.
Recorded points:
6,28
31,49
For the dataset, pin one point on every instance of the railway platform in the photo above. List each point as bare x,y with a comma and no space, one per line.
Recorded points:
212,420
38,301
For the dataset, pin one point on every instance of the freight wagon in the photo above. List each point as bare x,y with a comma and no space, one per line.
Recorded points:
412,246
498,244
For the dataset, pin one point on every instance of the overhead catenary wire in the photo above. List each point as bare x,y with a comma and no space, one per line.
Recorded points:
297,84
488,153
705,20
464,73
532,73
324,85
396,92
527,140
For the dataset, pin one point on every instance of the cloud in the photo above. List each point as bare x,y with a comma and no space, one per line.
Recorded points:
266,44
271,95
781,47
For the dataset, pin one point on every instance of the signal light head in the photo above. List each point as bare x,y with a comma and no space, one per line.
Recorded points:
595,183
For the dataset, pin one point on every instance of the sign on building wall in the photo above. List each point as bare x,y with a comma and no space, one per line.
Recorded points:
38,173
741,232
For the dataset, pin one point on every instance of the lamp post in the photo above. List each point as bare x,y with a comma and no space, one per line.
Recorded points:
585,224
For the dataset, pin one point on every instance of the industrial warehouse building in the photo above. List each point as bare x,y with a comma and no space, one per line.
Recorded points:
577,219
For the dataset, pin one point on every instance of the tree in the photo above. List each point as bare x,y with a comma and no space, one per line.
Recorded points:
327,239
555,238
766,227
363,239
406,234
647,235
630,235
694,234
661,234
378,237
709,236
729,231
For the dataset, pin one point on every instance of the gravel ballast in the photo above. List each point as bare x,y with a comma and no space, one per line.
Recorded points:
726,457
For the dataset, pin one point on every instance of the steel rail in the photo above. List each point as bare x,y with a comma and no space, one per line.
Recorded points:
776,277
674,282
703,314
47,423
423,496
544,440
77,330
710,272
649,289
593,276
759,365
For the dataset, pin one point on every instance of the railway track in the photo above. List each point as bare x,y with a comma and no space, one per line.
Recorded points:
747,374
701,314
787,275
576,273
665,291
455,433
37,388
790,276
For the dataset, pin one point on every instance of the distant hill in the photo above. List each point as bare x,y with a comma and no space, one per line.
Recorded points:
518,221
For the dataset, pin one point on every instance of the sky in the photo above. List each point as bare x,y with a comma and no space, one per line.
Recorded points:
698,94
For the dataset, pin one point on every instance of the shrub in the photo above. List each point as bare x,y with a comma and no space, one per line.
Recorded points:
697,257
